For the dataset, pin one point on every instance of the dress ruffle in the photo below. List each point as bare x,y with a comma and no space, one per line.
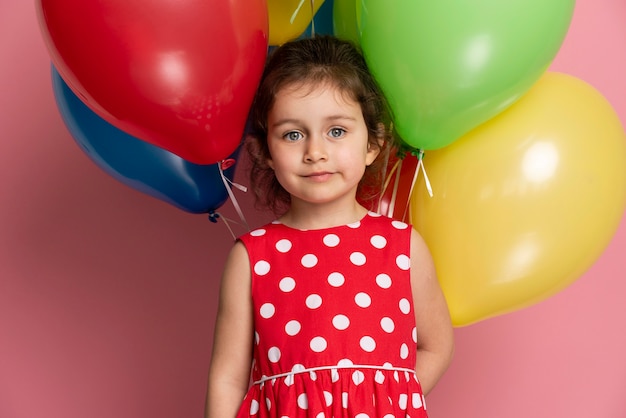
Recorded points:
337,393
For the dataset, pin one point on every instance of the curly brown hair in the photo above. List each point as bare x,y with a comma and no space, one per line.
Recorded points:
313,61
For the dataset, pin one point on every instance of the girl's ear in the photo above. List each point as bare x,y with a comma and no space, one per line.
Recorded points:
373,151
270,163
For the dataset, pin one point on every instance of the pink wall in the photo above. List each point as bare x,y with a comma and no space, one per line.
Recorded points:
107,297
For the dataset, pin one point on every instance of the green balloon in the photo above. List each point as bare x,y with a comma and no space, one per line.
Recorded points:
446,66
344,20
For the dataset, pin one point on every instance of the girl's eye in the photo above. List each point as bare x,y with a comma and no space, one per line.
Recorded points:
337,132
293,136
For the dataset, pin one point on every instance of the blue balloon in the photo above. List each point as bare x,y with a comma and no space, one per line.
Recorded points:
144,167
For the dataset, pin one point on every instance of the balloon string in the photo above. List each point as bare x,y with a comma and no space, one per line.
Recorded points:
312,18
219,215
394,192
232,196
394,169
295,13
420,163
383,182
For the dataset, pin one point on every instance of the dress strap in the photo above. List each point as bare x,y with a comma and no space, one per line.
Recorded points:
336,367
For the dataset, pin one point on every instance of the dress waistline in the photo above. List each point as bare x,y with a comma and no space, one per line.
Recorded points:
336,367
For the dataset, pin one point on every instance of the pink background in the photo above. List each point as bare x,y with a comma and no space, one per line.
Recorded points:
107,296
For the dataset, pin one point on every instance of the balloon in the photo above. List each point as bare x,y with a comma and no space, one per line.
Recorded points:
178,74
344,20
447,66
288,19
393,200
525,203
138,164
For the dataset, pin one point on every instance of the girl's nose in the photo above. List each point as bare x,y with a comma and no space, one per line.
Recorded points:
315,149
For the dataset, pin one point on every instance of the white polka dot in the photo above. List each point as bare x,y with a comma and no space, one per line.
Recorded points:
320,415
318,344
396,376
262,267
399,225
354,225
336,279
403,400
268,403
258,232
287,284
414,335
328,398
313,375
293,328
357,258
383,280
254,407
368,344
298,368
379,377
273,354
334,375
358,377
404,351
363,300
309,260
341,322
313,301
331,240
378,241
267,310
389,415
403,262
362,415
374,214
283,246
344,399
387,324
416,400
303,401
405,306
345,363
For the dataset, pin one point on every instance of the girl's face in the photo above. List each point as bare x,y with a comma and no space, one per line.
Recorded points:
318,143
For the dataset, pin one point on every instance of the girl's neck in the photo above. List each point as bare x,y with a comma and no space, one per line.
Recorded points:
309,217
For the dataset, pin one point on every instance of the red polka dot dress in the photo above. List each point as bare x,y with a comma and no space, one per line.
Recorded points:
335,331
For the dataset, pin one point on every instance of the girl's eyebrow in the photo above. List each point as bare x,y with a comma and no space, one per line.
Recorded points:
330,118
284,122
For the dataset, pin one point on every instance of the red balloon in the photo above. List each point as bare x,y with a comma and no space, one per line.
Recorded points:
394,200
393,196
178,74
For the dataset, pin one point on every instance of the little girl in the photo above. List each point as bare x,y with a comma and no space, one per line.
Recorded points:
335,309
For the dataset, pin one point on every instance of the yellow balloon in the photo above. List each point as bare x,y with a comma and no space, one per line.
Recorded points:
526,202
288,19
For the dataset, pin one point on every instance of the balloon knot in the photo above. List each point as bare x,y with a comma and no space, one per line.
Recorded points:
214,216
227,163
419,153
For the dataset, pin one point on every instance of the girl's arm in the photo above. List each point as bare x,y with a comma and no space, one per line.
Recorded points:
435,337
229,371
